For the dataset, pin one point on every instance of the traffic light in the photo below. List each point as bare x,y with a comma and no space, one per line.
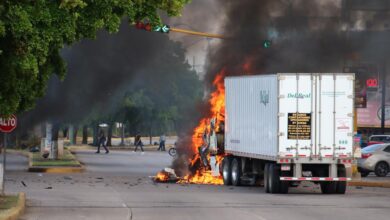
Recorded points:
148,27
267,43
162,28
139,25
143,26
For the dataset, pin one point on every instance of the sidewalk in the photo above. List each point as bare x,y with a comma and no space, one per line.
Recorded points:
371,181
128,148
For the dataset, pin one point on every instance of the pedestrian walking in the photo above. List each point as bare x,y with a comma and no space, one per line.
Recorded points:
138,143
102,142
162,143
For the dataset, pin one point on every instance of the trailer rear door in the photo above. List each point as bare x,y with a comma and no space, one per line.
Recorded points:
315,115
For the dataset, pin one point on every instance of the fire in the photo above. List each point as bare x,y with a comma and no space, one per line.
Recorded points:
161,177
203,177
217,110
202,174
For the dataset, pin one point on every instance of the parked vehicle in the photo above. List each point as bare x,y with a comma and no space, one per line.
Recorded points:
378,139
375,158
287,128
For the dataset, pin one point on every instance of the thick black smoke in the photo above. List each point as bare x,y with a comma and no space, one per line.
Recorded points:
307,36
100,71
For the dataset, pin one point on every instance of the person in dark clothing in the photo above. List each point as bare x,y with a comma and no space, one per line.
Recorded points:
162,143
102,142
138,143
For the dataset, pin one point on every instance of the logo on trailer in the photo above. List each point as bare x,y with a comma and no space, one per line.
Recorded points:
298,95
264,97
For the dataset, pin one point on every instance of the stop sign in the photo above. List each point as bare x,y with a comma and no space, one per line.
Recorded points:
8,124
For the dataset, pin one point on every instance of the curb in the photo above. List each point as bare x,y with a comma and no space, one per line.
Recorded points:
41,169
369,184
15,212
119,148
37,169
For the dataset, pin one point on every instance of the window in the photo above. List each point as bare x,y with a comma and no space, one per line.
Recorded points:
387,149
372,148
385,139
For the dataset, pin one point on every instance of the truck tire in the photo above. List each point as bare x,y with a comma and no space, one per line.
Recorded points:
341,185
328,187
284,184
236,171
381,169
274,179
266,180
227,171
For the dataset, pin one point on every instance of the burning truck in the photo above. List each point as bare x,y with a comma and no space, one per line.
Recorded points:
276,130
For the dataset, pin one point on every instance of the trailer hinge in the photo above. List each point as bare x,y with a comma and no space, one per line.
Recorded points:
281,97
281,134
281,114
305,148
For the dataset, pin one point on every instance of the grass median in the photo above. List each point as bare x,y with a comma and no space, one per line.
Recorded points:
12,206
67,160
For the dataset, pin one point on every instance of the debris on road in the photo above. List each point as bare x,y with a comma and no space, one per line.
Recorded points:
166,175
68,178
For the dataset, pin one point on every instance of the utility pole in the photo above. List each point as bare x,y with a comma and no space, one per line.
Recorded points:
3,167
383,104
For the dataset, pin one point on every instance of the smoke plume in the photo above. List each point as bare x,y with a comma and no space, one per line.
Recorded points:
307,36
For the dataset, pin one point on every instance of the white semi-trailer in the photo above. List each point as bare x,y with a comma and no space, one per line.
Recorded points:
289,128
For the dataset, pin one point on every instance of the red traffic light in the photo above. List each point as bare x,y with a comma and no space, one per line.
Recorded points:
142,26
148,27
139,25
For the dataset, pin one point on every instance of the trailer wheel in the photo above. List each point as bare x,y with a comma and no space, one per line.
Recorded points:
274,179
328,187
266,176
341,185
236,171
227,171
284,184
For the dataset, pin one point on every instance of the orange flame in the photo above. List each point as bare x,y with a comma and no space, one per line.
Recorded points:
161,177
203,177
217,111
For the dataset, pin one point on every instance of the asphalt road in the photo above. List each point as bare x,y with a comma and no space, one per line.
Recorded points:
117,186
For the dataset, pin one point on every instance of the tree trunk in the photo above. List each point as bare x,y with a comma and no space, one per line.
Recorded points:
150,135
122,135
54,141
95,134
74,137
85,134
71,134
109,134
65,132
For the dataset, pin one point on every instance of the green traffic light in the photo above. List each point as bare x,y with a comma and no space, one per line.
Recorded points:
165,29
157,29
267,43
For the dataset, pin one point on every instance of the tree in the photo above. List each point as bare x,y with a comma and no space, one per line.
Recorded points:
32,33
